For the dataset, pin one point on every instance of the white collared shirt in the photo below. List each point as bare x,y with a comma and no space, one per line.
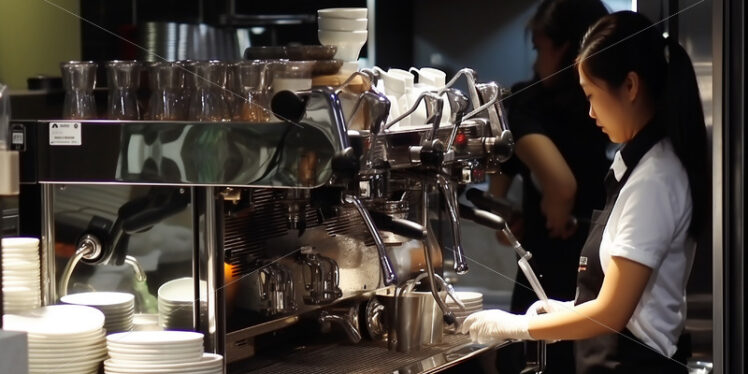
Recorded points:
649,225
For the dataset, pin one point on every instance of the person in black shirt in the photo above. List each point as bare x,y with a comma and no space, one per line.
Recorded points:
561,156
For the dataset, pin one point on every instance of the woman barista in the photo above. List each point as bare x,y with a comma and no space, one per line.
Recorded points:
629,310
561,158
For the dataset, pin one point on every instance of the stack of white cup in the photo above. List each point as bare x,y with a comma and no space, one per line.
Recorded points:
345,28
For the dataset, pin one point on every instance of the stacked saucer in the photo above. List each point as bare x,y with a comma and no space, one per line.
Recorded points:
176,300
62,339
473,302
118,307
174,352
21,282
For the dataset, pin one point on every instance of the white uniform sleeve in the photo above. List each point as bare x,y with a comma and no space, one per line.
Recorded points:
647,222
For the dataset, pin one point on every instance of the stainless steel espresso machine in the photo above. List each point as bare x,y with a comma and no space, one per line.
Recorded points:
293,231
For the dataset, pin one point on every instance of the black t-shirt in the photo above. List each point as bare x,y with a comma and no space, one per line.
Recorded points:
562,114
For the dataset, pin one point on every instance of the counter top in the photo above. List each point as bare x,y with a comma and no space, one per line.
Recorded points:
373,357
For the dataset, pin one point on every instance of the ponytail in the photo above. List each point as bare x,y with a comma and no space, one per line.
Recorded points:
684,122
623,42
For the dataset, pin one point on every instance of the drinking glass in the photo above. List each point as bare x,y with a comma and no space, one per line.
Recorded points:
79,80
253,83
124,80
167,79
208,101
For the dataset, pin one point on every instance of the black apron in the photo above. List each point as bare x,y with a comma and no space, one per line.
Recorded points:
613,353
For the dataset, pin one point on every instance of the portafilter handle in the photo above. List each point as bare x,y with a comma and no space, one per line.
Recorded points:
450,195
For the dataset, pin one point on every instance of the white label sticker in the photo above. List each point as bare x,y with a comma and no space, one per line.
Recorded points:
64,133
17,138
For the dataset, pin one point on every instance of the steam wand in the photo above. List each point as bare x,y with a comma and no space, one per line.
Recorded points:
496,222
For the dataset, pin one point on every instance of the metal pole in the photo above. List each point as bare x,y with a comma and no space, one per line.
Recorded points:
211,263
49,287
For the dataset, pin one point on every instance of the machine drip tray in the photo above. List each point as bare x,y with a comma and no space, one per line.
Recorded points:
369,357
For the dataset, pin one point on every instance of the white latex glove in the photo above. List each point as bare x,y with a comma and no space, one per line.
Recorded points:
494,325
538,307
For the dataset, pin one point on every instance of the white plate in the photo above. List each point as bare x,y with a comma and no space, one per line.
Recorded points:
68,353
467,296
11,266
56,320
76,344
20,256
167,350
62,363
162,371
103,299
20,249
20,242
208,361
118,321
191,355
92,337
158,358
155,338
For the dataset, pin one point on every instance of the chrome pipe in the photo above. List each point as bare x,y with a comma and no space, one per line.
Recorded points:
48,271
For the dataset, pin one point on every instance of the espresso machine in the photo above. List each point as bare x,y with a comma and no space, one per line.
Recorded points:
290,229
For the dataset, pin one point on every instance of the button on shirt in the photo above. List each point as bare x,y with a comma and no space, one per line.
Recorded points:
649,225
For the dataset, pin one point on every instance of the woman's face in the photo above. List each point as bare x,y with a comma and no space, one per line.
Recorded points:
549,55
609,107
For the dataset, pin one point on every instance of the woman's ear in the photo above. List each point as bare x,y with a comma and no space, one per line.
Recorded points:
631,87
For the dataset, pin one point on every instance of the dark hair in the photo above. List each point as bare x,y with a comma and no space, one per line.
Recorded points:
625,42
566,21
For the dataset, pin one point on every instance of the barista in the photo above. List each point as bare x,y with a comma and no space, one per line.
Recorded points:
629,311
562,161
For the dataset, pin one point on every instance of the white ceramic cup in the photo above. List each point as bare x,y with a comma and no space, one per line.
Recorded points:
342,24
349,43
432,77
343,12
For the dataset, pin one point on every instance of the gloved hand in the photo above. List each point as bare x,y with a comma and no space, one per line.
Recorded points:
539,307
494,325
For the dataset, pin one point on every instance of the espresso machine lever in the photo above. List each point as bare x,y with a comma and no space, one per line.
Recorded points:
388,271
429,244
450,195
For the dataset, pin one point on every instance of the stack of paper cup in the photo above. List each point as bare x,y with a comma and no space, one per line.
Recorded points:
345,28
21,282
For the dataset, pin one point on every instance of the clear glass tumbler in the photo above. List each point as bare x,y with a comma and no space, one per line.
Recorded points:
253,82
124,80
79,80
187,88
167,79
208,101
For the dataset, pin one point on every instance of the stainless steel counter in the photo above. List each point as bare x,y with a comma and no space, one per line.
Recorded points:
373,357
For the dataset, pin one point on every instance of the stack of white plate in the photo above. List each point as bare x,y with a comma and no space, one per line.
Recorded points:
21,282
176,299
63,339
170,352
118,307
473,303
